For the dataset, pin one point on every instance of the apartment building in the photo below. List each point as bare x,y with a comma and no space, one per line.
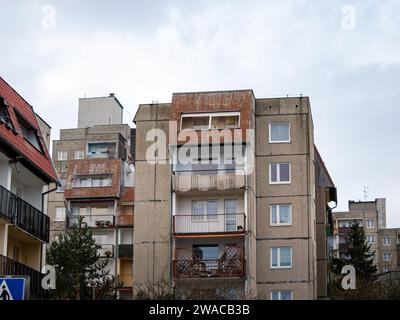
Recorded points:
238,215
371,216
94,163
26,170
389,250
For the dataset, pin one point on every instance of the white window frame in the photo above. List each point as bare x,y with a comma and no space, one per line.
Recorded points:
280,141
79,154
372,237
387,243
280,294
389,255
368,223
205,216
278,223
60,155
210,115
55,214
278,171
279,258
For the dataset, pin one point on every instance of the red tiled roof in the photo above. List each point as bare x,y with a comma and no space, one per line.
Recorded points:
14,140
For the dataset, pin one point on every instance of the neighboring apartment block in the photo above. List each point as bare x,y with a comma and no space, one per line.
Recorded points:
249,214
371,216
94,164
26,170
389,250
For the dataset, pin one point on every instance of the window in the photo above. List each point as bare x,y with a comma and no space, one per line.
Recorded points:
279,132
386,270
92,182
79,154
282,295
387,257
207,121
281,257
281,214
370,239
101,150
209,254
279,173
4,114
370,223
61,187
387,241
62,155
60,214
30,133
204,210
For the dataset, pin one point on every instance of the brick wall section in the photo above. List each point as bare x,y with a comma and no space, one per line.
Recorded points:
93,167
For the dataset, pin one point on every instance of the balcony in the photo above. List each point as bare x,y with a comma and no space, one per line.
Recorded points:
184,181
23,215
125,251
189,265
10,267
125,220
106,251
94,221
125,280
209,224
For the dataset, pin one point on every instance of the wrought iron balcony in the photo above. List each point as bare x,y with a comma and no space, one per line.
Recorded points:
125,251
23,215
234,223
10,267
93,221
190,265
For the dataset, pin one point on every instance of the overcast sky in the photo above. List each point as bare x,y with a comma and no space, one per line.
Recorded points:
345,55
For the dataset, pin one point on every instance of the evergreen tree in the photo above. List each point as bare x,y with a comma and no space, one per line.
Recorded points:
80,273
358,253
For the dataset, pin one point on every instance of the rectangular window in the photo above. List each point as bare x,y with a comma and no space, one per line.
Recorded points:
387,241
207,121
370,224
279,173
30,134
92,182
281,257
387,257
62,155
371,239
204,210
279,132
5,115
101,150
60,214
79,154
61,187
282,295
280,214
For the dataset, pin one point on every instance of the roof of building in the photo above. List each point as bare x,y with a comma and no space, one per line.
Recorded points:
13,142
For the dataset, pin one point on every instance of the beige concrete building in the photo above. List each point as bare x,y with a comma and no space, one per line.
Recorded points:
246,223
95,167
389,250
371,215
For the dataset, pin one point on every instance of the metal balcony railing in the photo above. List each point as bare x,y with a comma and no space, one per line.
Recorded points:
125,251
24,215
190,265
10,267
209,223
93,221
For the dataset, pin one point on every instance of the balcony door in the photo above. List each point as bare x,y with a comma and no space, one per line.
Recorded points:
230,215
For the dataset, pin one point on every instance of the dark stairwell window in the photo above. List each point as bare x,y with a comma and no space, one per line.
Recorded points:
4,115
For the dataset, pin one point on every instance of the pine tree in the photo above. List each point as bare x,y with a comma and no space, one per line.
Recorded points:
80,273
358,253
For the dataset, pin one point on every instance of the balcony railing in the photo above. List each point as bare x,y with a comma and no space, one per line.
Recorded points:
209,223
125,280
189,265
24,215
10,267
203,180
93,221
125,251
106,250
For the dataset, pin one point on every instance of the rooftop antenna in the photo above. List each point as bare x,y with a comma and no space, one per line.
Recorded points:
366,189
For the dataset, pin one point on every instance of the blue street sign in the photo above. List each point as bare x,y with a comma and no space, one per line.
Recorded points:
13,288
